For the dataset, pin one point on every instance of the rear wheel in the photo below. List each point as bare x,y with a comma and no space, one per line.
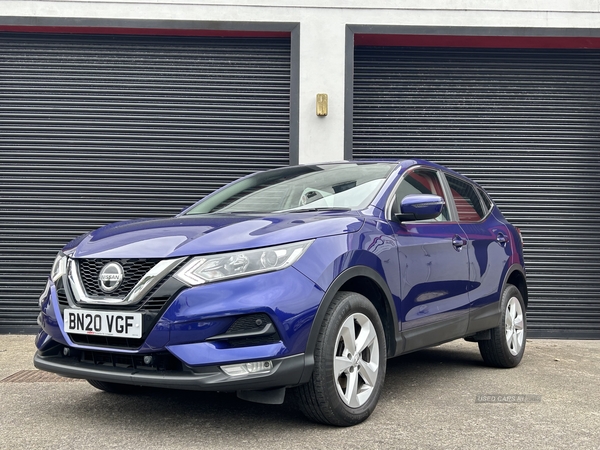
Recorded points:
507,343
350,363
115,388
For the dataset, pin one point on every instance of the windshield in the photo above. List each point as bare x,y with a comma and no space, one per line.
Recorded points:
300,188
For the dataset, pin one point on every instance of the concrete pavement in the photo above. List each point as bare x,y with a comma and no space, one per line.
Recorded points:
442,397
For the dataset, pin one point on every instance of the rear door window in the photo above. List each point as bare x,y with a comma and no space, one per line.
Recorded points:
466,199
487,202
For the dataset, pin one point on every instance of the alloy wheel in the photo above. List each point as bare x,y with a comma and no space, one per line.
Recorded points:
356,360
514,326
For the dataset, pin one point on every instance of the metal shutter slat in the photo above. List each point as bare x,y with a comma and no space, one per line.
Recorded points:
521,122
99,128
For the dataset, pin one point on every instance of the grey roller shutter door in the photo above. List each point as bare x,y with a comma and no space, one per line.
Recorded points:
524,123
99,128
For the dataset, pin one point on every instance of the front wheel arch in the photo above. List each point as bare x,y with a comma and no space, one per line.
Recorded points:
377,293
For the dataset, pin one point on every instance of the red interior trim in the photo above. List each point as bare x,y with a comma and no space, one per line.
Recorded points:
414,40
143,31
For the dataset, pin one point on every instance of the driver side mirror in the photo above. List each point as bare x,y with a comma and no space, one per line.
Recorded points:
420,207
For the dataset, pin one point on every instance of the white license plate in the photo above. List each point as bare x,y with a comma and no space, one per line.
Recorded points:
103,323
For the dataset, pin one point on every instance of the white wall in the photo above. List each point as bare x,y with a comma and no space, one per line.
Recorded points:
322,35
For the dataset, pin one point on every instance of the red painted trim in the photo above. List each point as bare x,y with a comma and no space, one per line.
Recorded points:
143,31
413,40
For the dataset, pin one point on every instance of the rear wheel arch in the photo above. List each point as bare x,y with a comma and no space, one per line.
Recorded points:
506,345
516,277
367,282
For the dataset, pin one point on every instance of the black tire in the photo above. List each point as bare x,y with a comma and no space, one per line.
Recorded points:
115,388
507,344
325,398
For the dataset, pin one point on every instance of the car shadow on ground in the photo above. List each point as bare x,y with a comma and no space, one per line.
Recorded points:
417,374
408,376
454,358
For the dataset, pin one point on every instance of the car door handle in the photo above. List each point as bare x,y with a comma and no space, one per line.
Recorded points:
501,239
458,242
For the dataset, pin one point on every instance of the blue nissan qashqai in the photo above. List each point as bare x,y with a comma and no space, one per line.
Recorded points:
303,278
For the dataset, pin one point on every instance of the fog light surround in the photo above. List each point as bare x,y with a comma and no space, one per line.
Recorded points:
251,368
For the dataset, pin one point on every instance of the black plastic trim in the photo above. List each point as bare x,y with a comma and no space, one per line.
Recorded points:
484,317
517,268
267,330
435,333
334,288
287,372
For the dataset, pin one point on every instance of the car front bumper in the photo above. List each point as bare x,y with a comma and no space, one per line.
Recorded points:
284,372
190,337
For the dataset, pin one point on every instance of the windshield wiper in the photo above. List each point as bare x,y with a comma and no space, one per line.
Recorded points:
264,213
226,212
315,208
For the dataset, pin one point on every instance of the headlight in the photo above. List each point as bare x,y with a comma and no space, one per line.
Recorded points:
205,269
59,268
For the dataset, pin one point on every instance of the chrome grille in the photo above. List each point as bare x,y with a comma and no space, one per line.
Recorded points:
151,303
134,270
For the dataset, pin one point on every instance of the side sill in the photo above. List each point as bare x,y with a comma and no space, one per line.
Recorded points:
434,334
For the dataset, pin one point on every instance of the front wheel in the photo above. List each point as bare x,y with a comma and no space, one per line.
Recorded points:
350,363
507,344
